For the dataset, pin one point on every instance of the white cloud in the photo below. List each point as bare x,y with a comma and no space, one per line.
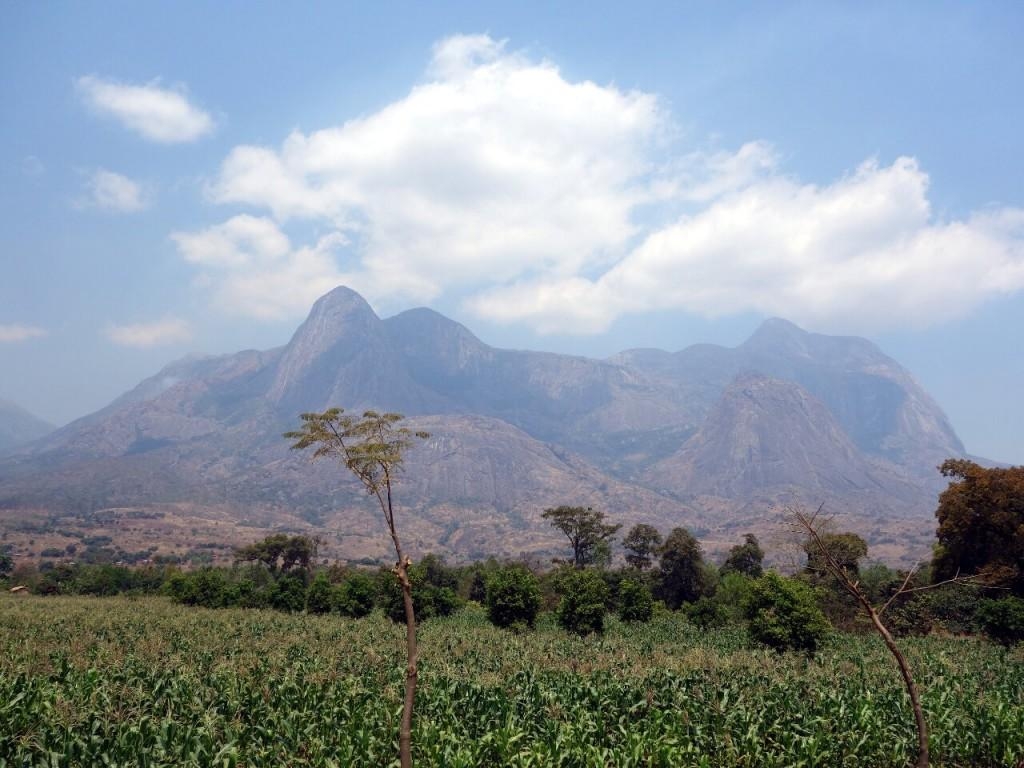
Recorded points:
252,269
494,168
15,332
113,192
170,330
566,204
158,114
861,253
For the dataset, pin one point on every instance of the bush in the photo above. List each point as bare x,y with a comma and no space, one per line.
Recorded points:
584,594
318,596
707,613
783,614
512,596
290,592
433,591
1002,620
635,601
355,597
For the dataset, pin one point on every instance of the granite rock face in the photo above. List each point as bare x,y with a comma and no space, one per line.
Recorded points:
704,437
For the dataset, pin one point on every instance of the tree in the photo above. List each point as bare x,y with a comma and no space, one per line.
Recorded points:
373,448
1002,620
319,595
635,600
584,602
586,530
981,525
829,557
783,614
682,576
280,552
642,543
6,562
512,597
746,558
845,549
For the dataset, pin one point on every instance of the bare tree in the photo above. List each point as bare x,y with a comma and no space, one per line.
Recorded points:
811,525
372,448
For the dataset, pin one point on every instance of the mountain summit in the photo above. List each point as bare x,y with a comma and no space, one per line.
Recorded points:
710,437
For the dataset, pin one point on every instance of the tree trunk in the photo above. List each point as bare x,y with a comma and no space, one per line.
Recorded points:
908,679
405,733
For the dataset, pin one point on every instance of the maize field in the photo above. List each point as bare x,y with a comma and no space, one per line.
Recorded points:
141,682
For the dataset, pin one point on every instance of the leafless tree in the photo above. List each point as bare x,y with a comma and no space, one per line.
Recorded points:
811,525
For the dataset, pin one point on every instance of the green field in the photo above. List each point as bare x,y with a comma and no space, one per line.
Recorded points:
142,682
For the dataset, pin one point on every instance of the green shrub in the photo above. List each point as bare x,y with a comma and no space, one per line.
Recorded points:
783,614
584,595
354,597
707,613
318,596
1002,620
635,600
512,596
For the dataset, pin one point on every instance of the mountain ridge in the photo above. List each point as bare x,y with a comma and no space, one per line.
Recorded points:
647,435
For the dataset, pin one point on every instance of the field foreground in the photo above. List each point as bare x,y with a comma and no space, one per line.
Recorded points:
142,682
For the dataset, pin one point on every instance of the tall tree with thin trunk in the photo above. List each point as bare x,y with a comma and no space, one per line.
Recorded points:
828,557
373,448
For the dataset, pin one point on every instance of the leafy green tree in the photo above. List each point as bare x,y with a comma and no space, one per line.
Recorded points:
280,552
6,562
846,549
433,591
981,525
319,595
373,449
783,614
588,533
584,602
635,600
1002,620
682,577
512,597
355,597
746,558
641,544
289,593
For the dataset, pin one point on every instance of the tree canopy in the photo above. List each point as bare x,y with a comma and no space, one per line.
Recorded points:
746,558
683,577
588,533
641,544
981,524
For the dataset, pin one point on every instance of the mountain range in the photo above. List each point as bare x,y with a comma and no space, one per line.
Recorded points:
717,439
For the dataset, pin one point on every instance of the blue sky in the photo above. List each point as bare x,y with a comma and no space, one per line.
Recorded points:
185,178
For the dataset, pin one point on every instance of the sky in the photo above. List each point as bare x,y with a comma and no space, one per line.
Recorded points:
187,178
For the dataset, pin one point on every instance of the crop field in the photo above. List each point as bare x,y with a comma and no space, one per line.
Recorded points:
142,682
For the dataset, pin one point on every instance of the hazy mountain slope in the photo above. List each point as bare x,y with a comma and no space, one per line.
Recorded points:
770,439
648,435
18,426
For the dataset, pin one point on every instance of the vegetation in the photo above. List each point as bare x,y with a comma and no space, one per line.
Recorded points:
141,681
981,525
683,577
373,449
746,558
783,615
512,597
588,533
641,543
584,602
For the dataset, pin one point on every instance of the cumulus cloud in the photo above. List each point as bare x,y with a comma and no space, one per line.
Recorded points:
863,252
158,114
565,204
12,333
252,268
111,191
170,330
494,167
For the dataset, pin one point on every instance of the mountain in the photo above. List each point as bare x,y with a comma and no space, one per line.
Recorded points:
714,438
18,426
